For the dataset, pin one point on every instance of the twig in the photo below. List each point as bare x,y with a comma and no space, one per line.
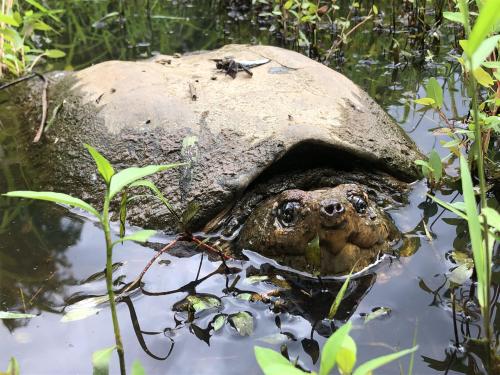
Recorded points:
148,266
44,108
339,41
16,81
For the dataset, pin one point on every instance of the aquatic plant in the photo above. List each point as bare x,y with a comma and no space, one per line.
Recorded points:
480,63
115,182
20,46
340,350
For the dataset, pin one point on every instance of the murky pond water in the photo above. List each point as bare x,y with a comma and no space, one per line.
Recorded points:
48,254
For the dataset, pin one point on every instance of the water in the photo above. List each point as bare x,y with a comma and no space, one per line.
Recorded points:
47,253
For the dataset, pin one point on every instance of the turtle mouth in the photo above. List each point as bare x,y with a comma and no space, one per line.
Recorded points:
335,226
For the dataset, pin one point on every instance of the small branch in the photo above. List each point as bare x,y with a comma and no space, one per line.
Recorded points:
44,108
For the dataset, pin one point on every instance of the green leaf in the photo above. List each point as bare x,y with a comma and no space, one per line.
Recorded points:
219,322
189,213
273,363
474,231
15,315
54,197
313,253
436,165
103,165
484,51
448,206
381,311
129,175
242,322
199,302
346,358
13,368
425,101
123,213
454,17
367,367
158,194
100,361
460,274
483,77
332,348
338,298
137,368
492,217
8,20
54,53
140,236
487,18
434,91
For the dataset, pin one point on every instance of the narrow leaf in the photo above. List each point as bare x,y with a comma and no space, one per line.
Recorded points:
100,361
346,358
54,197
332,348
8,20
367,367
425,101
140,236
487,18
15,315
338,298
158,194
103,165
492,217
484,51
454,17
54,53
474,230
123,213
13,368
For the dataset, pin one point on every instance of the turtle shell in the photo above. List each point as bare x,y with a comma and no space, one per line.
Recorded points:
230,130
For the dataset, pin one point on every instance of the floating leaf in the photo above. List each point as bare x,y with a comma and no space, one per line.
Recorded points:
255,279
367,367
219,322
346,357
84,308
242,322
54,197
460,274
332,348
274,339
377,313
15,315
79,314
100,361
103,165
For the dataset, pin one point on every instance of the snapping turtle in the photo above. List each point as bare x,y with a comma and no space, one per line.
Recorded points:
293,124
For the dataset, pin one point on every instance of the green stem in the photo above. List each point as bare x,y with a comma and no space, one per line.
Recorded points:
109,283
482,193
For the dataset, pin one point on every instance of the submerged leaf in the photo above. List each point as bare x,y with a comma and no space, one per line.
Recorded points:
377,313
219,322
242,322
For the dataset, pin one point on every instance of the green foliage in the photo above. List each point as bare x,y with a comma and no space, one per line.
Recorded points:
340,349
18,27
15,315
13,368
338,298
100,361
432,169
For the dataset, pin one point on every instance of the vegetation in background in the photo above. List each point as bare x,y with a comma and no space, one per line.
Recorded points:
24,29
480,66
115,183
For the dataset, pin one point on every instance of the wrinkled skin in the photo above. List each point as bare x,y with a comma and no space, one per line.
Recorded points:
352,230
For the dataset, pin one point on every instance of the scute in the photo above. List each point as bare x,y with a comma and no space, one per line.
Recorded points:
139,113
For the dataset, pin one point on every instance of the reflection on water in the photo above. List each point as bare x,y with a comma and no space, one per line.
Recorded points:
48,255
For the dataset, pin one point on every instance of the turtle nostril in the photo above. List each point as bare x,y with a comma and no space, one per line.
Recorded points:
333,208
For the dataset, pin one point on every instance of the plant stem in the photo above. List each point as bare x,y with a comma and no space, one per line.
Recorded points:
109,283
482,192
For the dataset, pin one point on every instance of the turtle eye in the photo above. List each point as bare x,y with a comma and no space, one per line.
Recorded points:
359,203
287,213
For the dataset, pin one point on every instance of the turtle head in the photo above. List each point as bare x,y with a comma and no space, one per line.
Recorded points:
331,229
